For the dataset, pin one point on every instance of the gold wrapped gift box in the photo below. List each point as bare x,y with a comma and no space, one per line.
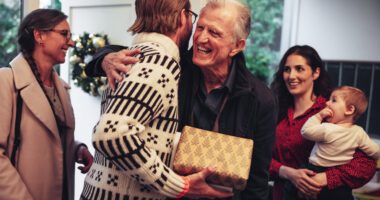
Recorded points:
198,149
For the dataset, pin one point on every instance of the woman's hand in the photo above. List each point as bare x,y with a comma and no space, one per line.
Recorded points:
84,157
301,178
321,179
198,187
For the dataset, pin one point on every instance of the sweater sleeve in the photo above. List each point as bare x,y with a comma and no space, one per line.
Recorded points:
368,146
354,174
313,130
130,110
11,184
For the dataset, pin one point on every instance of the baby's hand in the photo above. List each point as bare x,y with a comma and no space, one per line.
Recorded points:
325,113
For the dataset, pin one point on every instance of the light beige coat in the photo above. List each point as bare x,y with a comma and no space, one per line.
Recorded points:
38,173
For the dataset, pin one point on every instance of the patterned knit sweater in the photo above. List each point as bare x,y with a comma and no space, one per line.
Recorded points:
133,138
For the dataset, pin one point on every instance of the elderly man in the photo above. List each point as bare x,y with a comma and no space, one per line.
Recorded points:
216,91
132,151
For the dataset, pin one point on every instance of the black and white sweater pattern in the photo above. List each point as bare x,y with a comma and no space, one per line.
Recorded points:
133,138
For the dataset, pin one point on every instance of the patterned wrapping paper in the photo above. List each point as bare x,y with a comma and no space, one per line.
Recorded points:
198,149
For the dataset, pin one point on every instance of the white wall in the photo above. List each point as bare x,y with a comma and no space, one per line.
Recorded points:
197,5
339,29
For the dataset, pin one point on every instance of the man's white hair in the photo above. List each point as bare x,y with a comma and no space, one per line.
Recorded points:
243,19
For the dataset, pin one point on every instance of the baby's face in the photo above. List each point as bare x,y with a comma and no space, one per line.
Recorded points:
338,106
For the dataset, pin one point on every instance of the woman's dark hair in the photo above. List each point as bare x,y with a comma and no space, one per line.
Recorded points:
321,86
40,19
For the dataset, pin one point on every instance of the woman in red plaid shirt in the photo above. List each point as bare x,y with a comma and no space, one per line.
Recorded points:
302,87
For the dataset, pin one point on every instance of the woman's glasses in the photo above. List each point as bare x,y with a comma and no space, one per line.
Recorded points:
65,33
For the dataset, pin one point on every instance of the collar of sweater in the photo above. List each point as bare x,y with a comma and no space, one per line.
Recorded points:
163,41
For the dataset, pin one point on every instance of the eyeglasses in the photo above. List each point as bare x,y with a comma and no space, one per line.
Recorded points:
65,33
193,15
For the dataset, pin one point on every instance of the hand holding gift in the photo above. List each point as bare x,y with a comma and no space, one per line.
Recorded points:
198,149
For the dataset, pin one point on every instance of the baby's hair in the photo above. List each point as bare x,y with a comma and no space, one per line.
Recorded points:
355,97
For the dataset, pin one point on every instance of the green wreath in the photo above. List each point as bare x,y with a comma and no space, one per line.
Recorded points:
85,47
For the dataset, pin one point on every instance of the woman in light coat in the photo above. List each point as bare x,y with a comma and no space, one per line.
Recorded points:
45,158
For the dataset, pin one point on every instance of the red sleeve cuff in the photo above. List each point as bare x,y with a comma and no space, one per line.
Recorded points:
275,168
185,189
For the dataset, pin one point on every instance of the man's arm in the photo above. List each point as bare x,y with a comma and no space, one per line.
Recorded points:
112,61
94,67
264,136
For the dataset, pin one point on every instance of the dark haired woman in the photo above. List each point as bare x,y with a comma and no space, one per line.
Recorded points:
44,160
302,86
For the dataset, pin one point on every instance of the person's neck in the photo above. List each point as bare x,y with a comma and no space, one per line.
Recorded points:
345,124
45,69
176,38
214,77
303,103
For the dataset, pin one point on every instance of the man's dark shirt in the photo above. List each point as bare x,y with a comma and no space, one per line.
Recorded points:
207,106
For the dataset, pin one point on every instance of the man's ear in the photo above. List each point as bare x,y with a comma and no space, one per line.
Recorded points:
182,18
240,45
350,109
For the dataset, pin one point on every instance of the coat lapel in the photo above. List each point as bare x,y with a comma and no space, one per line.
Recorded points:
62,88
32,94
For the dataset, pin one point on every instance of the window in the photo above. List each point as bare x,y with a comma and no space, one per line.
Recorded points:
263,43
365,76
53,4
10,16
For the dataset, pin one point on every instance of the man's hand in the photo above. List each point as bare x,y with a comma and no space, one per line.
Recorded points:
117,63
84,157
198,188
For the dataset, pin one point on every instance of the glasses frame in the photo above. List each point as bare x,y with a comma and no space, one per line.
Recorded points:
65,33
193,14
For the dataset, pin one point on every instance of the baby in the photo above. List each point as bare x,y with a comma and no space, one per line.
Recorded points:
336,136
